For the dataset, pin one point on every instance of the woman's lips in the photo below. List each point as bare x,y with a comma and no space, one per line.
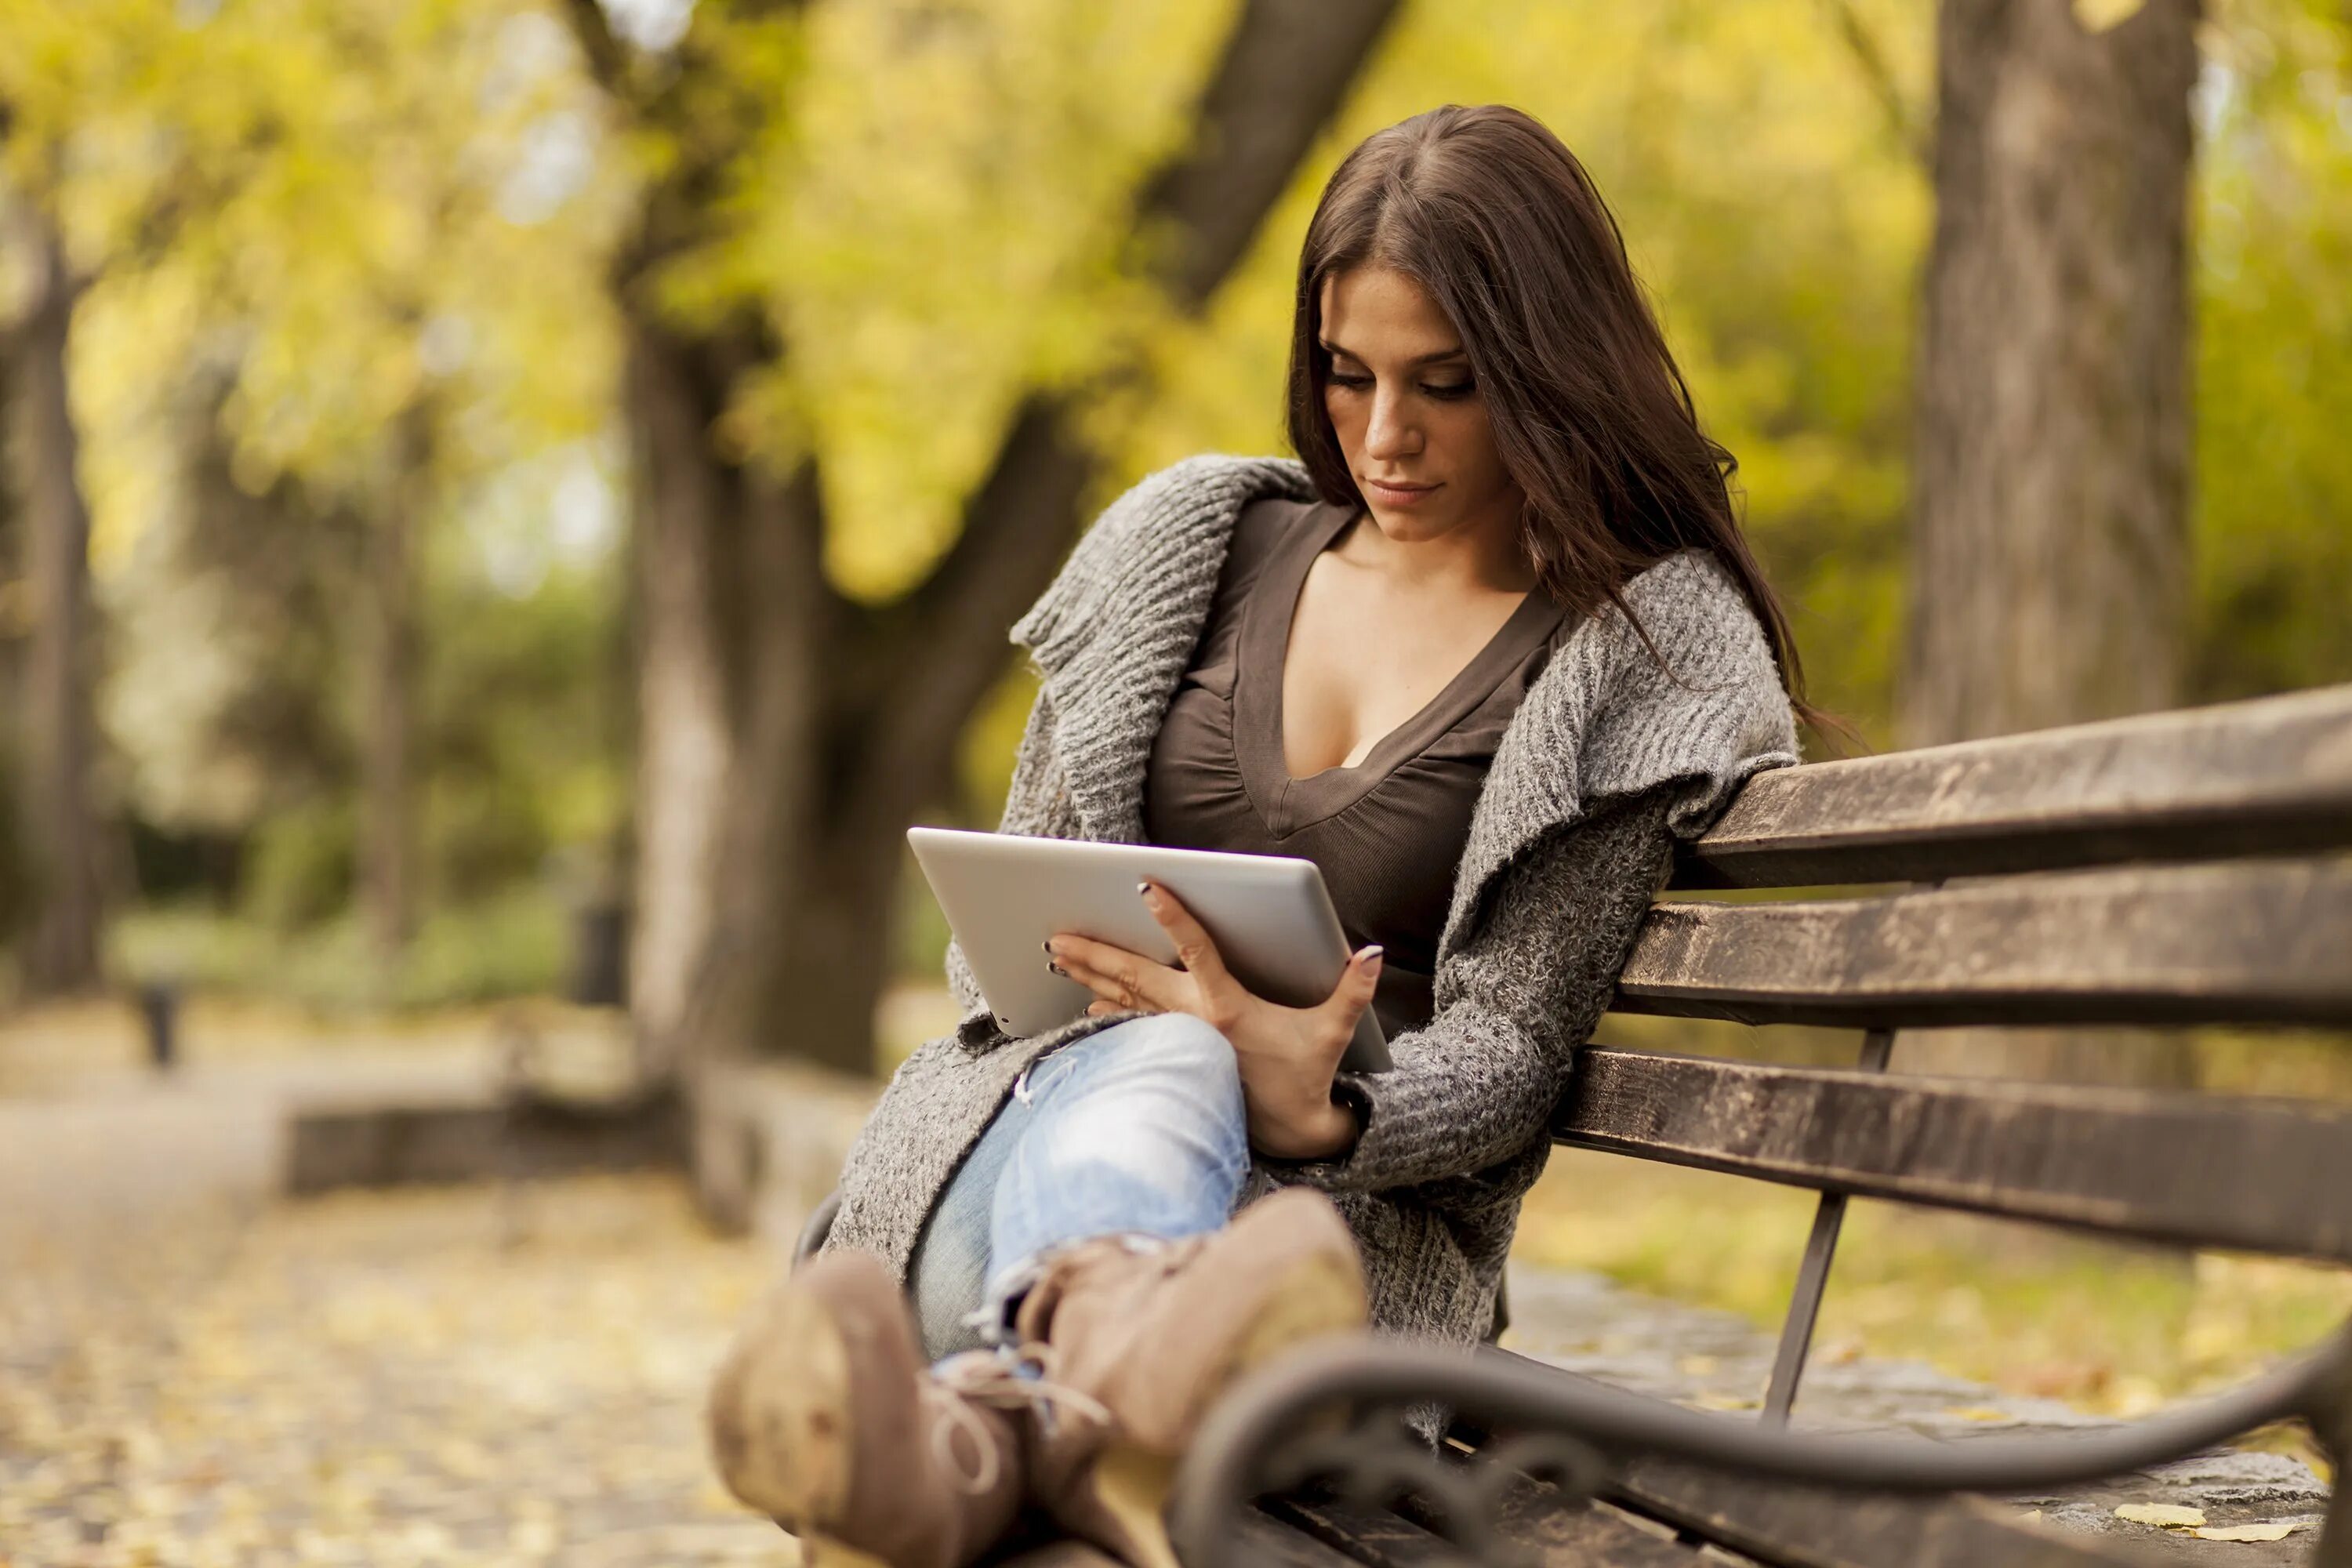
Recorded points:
1400,495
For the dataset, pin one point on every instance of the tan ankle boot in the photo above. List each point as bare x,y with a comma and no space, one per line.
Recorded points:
1154,1332
824,1417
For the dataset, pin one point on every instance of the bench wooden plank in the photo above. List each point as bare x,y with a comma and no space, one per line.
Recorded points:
1373,1536
1549,1532
2242,941
1054,1554
1270,1543
2269,776
1562,1532
2266,1175
2259,1175
1799,1527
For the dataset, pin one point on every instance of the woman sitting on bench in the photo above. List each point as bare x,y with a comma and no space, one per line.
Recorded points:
1482,654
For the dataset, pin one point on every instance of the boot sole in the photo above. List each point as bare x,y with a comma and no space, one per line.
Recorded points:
795,1462
1132,1487
1325,1295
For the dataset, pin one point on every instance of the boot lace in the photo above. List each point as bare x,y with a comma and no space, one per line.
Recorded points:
1006,1379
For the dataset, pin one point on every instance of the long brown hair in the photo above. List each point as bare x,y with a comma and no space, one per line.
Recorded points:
1486,209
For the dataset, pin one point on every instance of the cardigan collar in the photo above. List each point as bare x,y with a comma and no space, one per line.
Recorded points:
1114,632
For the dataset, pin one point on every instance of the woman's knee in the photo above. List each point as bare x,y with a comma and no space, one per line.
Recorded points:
1191,1039
1187,1050
1145,1067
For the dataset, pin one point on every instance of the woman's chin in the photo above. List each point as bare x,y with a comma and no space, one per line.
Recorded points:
1412,525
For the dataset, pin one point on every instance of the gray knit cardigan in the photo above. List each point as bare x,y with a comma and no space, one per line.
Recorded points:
1607,757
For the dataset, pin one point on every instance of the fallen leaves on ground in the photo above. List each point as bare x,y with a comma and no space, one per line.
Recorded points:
376,1379
2243,1531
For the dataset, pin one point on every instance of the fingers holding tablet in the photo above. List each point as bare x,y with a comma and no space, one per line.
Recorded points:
1117,978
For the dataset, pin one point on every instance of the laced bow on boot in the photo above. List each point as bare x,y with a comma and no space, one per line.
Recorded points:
1006,1379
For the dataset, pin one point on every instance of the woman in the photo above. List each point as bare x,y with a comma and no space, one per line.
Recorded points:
1484,653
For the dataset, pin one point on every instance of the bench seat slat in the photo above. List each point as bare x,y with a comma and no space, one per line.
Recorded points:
2269,776
1275,1543
2260,1175
2244,942
1799,1527
1549,1530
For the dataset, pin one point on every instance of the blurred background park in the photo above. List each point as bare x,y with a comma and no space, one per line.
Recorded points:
511,507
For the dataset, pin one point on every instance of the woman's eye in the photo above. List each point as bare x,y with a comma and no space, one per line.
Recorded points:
1445,394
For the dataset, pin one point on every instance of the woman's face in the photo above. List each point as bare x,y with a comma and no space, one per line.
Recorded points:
1412,424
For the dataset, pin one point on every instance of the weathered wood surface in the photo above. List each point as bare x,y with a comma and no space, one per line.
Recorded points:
1800,1527
2269,776
1545,1529
2259,1176
1058,1554
1267,1543
2257,942
1373,1536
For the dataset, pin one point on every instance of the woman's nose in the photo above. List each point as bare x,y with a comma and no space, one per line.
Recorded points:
1390,433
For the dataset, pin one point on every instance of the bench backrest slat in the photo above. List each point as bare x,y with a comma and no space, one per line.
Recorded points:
2269,776
2266,941
2259,1175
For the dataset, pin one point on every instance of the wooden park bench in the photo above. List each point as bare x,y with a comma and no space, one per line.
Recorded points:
2176,870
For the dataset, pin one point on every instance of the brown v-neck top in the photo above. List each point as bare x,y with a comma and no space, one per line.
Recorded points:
1388,832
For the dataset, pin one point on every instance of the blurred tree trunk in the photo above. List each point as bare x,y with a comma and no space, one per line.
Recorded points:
14,904
733,613
2050,506
786,735
388,711
57,820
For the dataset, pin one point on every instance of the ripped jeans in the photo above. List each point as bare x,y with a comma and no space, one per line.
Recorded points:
1137,1128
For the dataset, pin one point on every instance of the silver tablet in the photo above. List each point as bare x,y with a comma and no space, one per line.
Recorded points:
1005,893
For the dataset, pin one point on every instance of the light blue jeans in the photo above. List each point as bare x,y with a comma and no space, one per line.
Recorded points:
1135,1130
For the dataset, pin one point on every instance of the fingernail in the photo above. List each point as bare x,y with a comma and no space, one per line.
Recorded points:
1372,956
1058,969
1145,889
1047,944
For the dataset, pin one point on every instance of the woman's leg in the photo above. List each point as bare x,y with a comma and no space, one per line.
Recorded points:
1135,1130
950,1273
1139,1130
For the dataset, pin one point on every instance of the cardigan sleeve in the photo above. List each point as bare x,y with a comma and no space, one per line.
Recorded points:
1477,1084
1037,804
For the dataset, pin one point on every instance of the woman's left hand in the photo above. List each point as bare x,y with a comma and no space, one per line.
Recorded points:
1286,1055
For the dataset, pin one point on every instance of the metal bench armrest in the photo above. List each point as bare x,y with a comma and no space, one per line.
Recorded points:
1574,1431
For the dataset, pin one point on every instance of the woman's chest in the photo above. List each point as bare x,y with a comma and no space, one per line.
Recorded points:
1361,657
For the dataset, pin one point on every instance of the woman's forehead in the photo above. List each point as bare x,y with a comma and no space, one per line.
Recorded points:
1373,311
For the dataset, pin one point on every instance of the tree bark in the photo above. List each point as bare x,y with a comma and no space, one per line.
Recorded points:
2050,485
14,905
786,736
2050,578
388,725
58,817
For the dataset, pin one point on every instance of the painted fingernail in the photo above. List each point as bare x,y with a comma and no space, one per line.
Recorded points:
1371,955
1047,944
1058,969
1145,889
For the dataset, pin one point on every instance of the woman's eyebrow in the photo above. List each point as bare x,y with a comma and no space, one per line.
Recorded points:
1430,358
